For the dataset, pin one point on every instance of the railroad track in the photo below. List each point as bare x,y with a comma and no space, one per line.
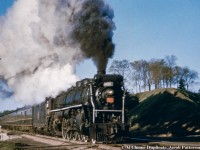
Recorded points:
60,147
51,143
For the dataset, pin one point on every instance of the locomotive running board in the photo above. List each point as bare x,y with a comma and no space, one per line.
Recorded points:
75,106
108,110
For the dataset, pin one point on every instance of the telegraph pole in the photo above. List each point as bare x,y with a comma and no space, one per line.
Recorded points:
1,136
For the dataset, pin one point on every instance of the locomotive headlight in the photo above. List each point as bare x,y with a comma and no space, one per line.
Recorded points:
109,92
109,96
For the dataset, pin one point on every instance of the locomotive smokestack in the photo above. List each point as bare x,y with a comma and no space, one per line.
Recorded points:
101,72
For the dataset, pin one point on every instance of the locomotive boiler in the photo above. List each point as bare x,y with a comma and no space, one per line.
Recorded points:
93,109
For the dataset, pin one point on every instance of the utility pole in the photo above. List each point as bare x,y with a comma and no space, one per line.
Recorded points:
1,136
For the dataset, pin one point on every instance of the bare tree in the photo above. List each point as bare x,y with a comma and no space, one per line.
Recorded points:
121,67
189,76
170,60
170,63
165,76
177,74
160,72
140,73
156,66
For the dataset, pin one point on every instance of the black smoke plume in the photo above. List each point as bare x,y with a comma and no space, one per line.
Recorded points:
94,31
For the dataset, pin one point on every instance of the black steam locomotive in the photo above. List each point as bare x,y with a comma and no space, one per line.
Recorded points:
93,109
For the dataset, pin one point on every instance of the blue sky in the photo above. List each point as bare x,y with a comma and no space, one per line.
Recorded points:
4,5
148,29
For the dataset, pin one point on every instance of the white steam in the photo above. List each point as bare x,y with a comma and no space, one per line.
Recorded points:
38,57
41,41
44,82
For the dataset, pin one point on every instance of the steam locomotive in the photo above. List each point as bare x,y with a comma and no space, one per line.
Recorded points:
93,109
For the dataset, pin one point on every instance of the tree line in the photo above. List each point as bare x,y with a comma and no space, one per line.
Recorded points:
143,75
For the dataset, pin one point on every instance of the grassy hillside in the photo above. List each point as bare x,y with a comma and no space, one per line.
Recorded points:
166,112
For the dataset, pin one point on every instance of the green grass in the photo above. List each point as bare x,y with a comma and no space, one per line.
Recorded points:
166,112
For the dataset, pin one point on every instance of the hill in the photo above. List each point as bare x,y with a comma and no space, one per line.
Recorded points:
166,112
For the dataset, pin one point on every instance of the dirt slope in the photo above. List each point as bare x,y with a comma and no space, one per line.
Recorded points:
166,112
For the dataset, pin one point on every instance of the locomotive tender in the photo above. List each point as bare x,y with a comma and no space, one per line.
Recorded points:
94,109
